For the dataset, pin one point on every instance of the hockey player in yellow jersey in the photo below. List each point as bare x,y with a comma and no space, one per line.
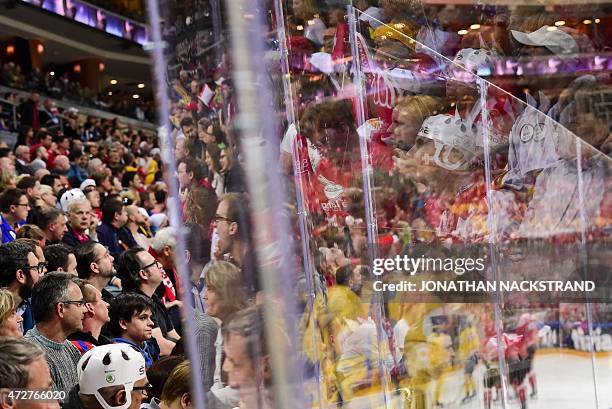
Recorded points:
469,345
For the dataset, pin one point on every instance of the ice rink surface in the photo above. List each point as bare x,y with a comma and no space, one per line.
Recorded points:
564,381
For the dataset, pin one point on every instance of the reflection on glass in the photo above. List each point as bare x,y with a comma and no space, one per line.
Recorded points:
458,142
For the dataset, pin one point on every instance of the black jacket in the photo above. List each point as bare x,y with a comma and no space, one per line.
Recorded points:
27,111
233,180
73,401
22,169
70,238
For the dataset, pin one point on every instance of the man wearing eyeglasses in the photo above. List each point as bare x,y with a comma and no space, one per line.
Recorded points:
19,272
233,230
141,273
14,208
58,308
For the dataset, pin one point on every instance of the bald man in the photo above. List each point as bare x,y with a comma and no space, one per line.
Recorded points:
61,164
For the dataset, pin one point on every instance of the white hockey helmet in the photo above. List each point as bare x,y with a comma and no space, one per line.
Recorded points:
469,61
452,133
110,365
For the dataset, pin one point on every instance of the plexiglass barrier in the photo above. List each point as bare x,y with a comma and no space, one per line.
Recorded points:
414,196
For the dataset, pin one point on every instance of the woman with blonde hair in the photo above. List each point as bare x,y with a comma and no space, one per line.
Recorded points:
7,180
10,320
224,294
176,393
408,116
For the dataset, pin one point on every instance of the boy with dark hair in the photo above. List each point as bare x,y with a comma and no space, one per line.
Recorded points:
131,322
142,274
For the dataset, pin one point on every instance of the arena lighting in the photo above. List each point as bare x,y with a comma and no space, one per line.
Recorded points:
141,85
40,48
462,32
474,26
135,96
113,82
560,23
10,49
300,28
597,21
101,66
587,21
110,93
51,73
77,68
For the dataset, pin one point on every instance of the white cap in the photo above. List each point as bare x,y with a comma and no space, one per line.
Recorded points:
556,39
110,365
69,197
143,212
157,219
86,183
322,62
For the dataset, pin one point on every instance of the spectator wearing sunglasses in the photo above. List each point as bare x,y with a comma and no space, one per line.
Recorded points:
58,308
125,387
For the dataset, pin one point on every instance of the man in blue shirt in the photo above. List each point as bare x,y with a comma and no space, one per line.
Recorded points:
14,208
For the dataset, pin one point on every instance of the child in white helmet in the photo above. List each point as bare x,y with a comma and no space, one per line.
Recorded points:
110,377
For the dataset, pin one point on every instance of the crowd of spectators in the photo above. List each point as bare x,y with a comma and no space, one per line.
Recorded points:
89,276
61,87
88,261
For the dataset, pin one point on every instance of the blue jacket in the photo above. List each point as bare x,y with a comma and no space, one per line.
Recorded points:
107,236
76,175
149,350
8,234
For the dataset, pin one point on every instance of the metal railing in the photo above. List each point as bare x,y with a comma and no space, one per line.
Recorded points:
64,105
